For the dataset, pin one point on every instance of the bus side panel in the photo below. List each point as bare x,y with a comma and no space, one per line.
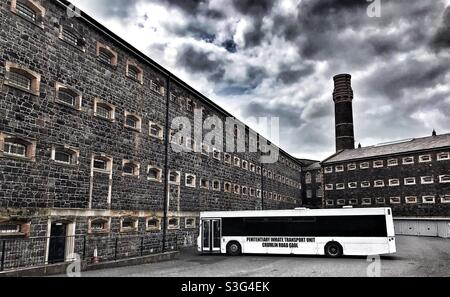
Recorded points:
364,246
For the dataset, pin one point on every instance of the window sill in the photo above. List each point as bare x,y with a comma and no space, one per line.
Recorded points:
190,186
139,130
128,231
80,48
26,159
13,235
154,180
64,164
77,108
105,119
98,232
173,228
158,137
131,175
11,85
102,171
153,229
141,82
112,66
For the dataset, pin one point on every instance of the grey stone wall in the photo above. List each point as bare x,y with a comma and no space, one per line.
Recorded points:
417,170
41,184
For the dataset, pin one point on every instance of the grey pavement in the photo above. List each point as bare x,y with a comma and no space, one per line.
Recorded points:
416,256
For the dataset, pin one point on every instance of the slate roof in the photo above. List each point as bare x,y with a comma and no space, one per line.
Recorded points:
392,148
314,166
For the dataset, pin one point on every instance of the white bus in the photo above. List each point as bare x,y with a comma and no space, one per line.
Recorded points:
331,232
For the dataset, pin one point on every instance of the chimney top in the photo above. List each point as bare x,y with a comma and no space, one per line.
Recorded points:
343,88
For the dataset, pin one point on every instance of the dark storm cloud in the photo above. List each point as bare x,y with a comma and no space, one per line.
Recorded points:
408,75
397,61
289,74
230,45
196,30
188,6
254,8
442,37
196,60
290,116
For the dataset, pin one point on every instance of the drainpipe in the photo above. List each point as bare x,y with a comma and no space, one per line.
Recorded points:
166,165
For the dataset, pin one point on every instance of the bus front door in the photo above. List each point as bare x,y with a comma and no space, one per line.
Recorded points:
211,235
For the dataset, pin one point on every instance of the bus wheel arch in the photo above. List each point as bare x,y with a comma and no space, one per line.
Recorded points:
334,249
234,248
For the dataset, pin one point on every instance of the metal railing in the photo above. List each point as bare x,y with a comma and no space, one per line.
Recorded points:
38,251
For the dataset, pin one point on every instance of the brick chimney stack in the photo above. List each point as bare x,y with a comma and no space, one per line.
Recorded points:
343,97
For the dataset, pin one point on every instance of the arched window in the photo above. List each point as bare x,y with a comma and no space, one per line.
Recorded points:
130,168
65,155
100,225
174,177
22,78
104,110
156,130
154,173
68,96
102,164
189,223
134,72
31,10
106,55
17,147
174,223
190,180
153,224
308,178
128,225
132,121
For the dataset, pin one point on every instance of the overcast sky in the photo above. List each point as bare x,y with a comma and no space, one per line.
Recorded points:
278,58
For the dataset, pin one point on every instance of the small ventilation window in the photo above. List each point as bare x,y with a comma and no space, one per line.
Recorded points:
65,155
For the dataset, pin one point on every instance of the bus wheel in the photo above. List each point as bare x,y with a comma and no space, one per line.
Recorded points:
234,248
333,250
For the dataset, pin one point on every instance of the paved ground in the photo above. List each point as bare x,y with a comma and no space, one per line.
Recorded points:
417,256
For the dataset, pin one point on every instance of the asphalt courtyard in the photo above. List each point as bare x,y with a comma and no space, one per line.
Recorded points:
416,256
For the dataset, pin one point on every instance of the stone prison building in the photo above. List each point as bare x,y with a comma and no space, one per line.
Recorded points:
87,160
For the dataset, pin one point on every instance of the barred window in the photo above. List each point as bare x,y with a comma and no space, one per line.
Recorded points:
130,168
189,223
190,180
19,80
153,224
154,173
128,224
9,228
99,225
156,130
15,148
23,10
65,156
396,200
104,110
174,223
133,72
105,56
66,97
69,37
132,121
